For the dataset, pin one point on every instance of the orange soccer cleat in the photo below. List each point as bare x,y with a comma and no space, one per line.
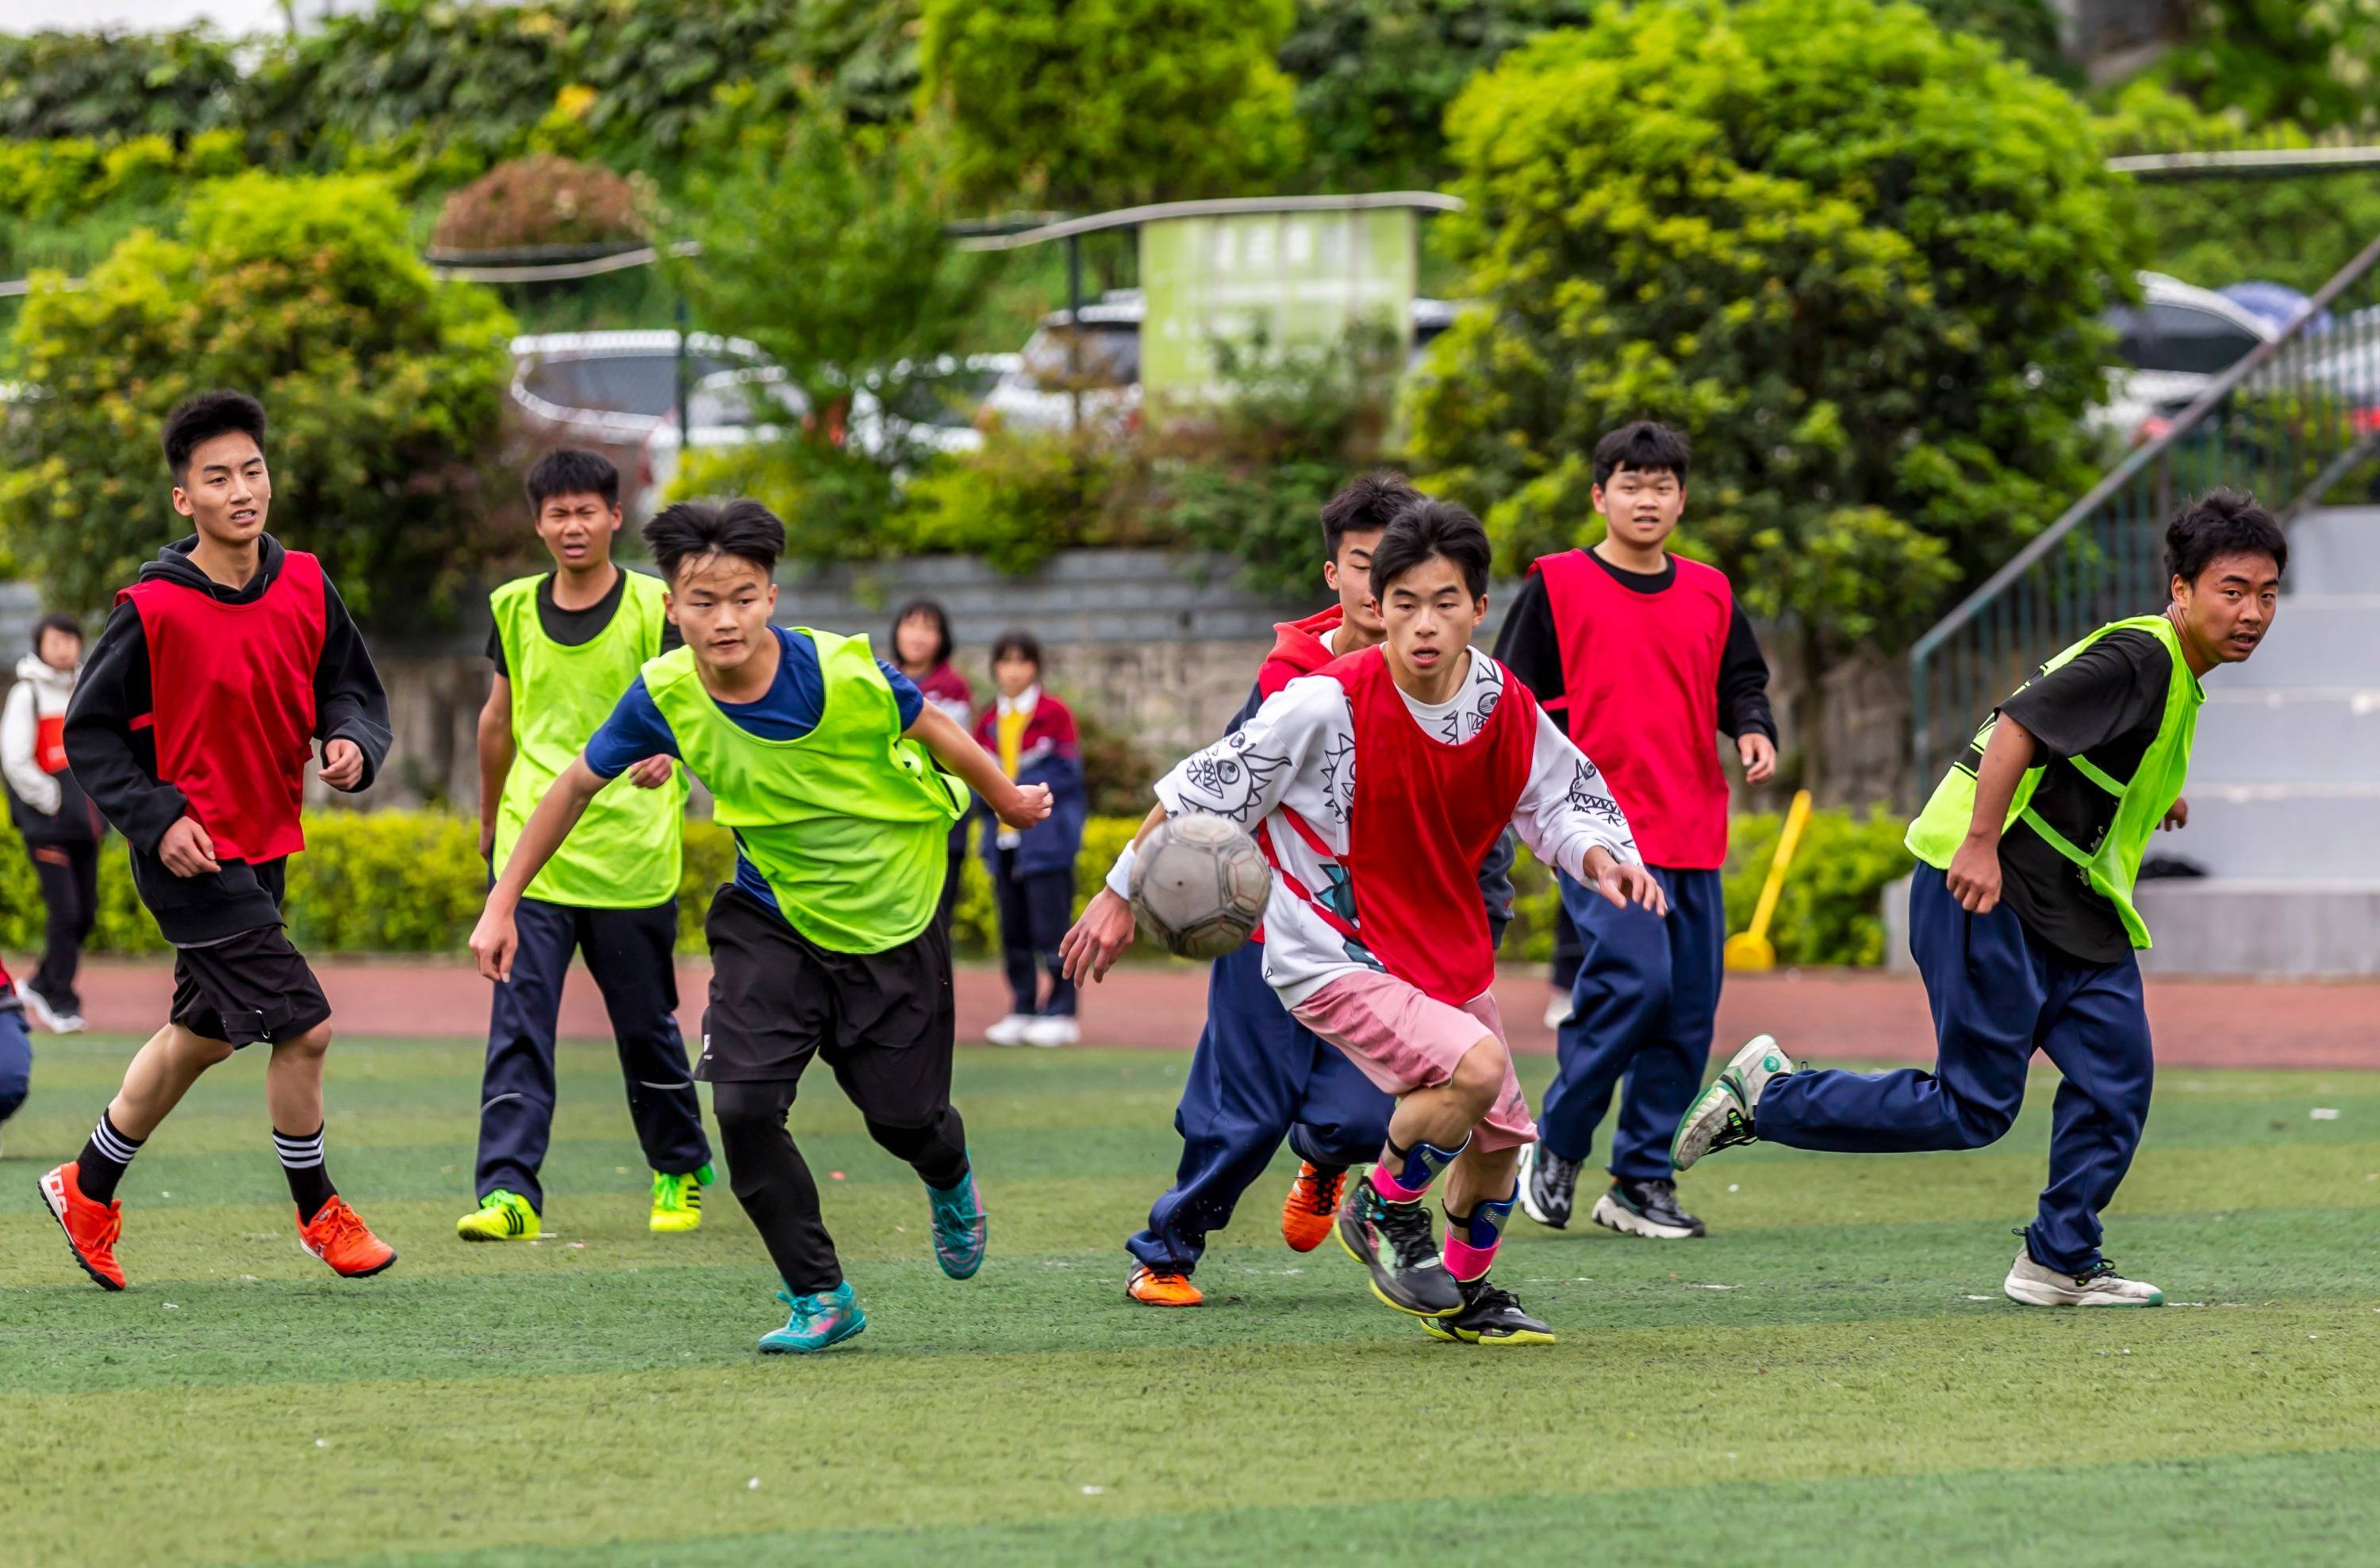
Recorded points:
1308,1212
339,1236
1153,1289
92,1226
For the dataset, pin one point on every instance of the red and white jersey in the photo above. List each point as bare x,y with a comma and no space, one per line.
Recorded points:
1289,777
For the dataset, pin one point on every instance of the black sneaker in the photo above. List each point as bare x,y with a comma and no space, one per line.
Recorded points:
1395,1242
1548,1186
1647,1209
1490,1316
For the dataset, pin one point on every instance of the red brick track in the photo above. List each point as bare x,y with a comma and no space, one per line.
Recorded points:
1835,1016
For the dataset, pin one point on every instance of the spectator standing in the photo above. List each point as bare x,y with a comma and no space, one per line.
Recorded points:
61,827
1032,733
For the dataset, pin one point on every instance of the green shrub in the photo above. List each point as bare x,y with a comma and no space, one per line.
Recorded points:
413,882
110,84
385,387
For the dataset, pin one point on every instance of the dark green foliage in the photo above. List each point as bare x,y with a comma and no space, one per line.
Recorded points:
1857,259
2274,60
113,84
1082,103
2026,30
383,388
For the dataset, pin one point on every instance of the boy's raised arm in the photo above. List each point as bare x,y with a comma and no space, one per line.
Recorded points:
494,939
1017,805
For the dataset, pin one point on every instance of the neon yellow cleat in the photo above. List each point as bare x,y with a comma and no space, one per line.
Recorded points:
677,1201
501,1216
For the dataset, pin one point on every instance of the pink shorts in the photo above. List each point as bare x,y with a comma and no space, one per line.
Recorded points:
1403,1039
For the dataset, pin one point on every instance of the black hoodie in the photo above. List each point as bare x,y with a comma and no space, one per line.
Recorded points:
117,764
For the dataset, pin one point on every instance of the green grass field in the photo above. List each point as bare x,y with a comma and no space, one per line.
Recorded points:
1832,1376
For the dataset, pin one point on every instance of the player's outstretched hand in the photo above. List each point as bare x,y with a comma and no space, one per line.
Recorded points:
1028,805
343,765
187,851
1088,951
2176,817
494,942
1625,884
652,772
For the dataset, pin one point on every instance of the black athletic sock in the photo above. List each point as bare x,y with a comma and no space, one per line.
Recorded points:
310,1179
102,1163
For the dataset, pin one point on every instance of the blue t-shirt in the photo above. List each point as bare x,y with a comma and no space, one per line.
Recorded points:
636,730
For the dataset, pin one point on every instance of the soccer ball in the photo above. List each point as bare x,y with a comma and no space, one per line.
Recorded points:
1199,886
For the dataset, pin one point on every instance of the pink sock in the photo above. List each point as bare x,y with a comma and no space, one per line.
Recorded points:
1464,1262
1385,1183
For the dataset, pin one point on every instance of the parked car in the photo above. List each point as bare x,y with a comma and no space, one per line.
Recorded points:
2170,346
1041,392
616,386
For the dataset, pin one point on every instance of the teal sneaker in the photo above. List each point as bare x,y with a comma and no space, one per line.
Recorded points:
960,1229
817,1321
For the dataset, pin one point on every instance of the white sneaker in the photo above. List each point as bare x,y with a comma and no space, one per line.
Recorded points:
72,1024
1053,1031
1558,1010
2031,1283
1721,1117
37,1008
1010,1031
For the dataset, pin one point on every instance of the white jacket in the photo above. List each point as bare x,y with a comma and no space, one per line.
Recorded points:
39,693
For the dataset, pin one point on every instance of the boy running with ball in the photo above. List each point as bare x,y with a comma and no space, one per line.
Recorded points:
1377,788
823,761
2020,916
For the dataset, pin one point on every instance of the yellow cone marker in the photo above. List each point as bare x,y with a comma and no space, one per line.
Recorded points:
1752,950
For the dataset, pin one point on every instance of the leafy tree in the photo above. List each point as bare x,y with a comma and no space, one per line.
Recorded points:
1092,103
110,84
2297,230
2282,60
825,246
1856,258
385,389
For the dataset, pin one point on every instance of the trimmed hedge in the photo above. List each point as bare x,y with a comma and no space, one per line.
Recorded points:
413,882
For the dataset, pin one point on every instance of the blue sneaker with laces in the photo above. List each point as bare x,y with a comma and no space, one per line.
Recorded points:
960,1232
827,1317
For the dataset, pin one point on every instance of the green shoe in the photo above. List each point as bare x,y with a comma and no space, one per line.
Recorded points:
817,1321
960,1228
677,1201
501,1216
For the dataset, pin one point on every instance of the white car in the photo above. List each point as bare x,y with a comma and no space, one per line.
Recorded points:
2170,347
1041,392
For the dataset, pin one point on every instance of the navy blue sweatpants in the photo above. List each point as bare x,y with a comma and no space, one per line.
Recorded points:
1998,995
1642,1009
1258,1076
16,1058
631,953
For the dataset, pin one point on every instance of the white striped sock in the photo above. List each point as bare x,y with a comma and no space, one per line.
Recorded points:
299,1154
112,1144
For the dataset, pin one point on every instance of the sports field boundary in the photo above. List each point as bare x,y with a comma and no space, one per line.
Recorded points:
1840,1015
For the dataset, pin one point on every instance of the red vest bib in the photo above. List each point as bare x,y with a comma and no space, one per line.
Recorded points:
1425,815
1640,674
233,686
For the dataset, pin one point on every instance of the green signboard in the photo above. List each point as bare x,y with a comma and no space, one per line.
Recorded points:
1300,278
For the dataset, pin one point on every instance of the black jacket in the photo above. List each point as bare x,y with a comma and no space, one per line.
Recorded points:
117,764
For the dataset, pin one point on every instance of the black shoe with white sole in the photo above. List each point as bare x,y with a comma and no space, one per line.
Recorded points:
1647,1209
1548,1186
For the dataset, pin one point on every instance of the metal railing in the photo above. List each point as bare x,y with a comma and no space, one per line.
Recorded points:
2288,424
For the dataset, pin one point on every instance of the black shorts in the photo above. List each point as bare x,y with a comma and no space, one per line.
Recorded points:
885,1020
249,987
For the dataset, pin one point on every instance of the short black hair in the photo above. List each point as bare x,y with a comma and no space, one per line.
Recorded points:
58,622
1429,528
690,531
1646,447
571,471
941,618
2217,523
1018,642
199,419
1364,505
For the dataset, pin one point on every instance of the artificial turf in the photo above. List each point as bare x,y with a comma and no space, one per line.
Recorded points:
1830,1376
